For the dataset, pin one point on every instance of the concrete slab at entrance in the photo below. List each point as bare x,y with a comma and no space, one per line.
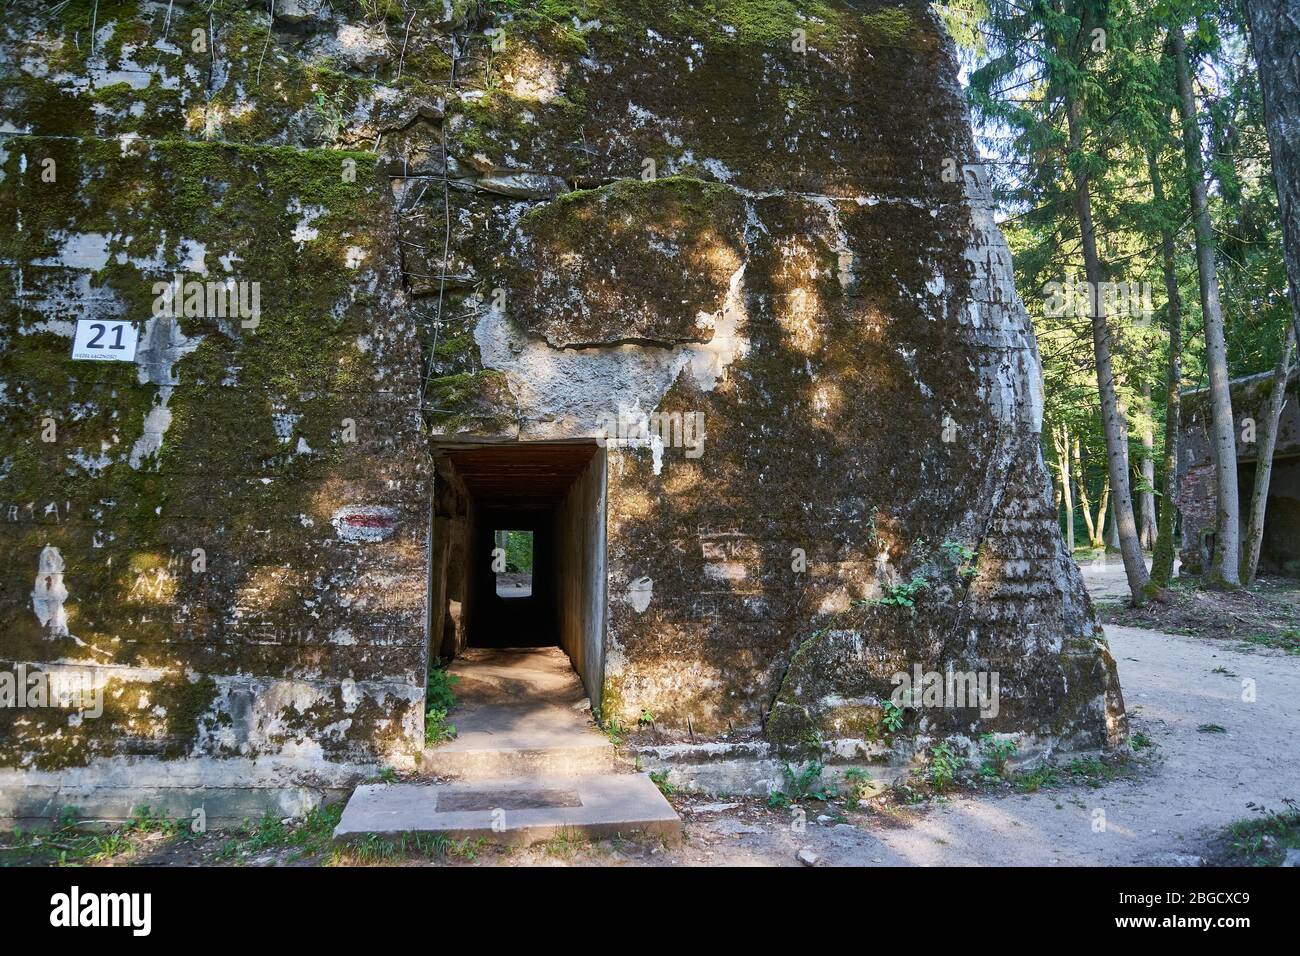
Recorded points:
516,811
519,712
531,765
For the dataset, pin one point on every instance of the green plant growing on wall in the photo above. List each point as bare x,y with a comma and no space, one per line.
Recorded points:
996,754
436,728
944,765
861,786
962,558
892,716
904,595
615,731
660,779
803,784
439,698
329,110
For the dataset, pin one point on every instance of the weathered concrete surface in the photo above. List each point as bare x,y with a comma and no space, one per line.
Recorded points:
804,270
227,791
519,712
516,810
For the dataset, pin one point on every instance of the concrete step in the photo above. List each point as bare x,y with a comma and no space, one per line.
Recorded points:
517,811
528,740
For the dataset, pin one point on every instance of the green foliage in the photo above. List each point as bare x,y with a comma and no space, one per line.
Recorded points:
436,728
1286,640
439,700
1263,841
861,787
1034,65
803,784
376,850
957,552
615,731
660,779
1034,780
1093,771
996,754
944,765
519,551
440,691
904,595
145,820
962,558
892,716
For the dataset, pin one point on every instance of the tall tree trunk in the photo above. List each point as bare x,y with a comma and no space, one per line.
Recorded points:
1147,529
1112,530
1061,440
1114,426
1103,512
1264,462
1275,39
1162,559
1084,504
1227,534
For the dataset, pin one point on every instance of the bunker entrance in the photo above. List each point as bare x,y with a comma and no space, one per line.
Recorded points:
1279,552
518,551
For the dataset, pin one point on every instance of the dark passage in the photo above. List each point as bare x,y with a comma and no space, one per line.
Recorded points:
490,499
1279,552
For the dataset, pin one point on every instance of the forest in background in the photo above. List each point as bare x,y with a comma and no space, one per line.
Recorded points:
1129,147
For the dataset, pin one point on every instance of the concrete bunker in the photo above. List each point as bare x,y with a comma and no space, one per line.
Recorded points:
549,493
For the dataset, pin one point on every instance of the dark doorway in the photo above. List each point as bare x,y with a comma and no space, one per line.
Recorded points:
518,550
1279,552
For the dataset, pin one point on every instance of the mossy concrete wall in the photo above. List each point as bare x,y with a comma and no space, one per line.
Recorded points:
756,212
240,515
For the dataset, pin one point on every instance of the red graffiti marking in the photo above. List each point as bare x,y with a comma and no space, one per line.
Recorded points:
368,521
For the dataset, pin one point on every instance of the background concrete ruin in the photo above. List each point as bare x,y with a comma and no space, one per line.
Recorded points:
1280,549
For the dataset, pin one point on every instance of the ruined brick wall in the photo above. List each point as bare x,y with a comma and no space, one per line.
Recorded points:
760,214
